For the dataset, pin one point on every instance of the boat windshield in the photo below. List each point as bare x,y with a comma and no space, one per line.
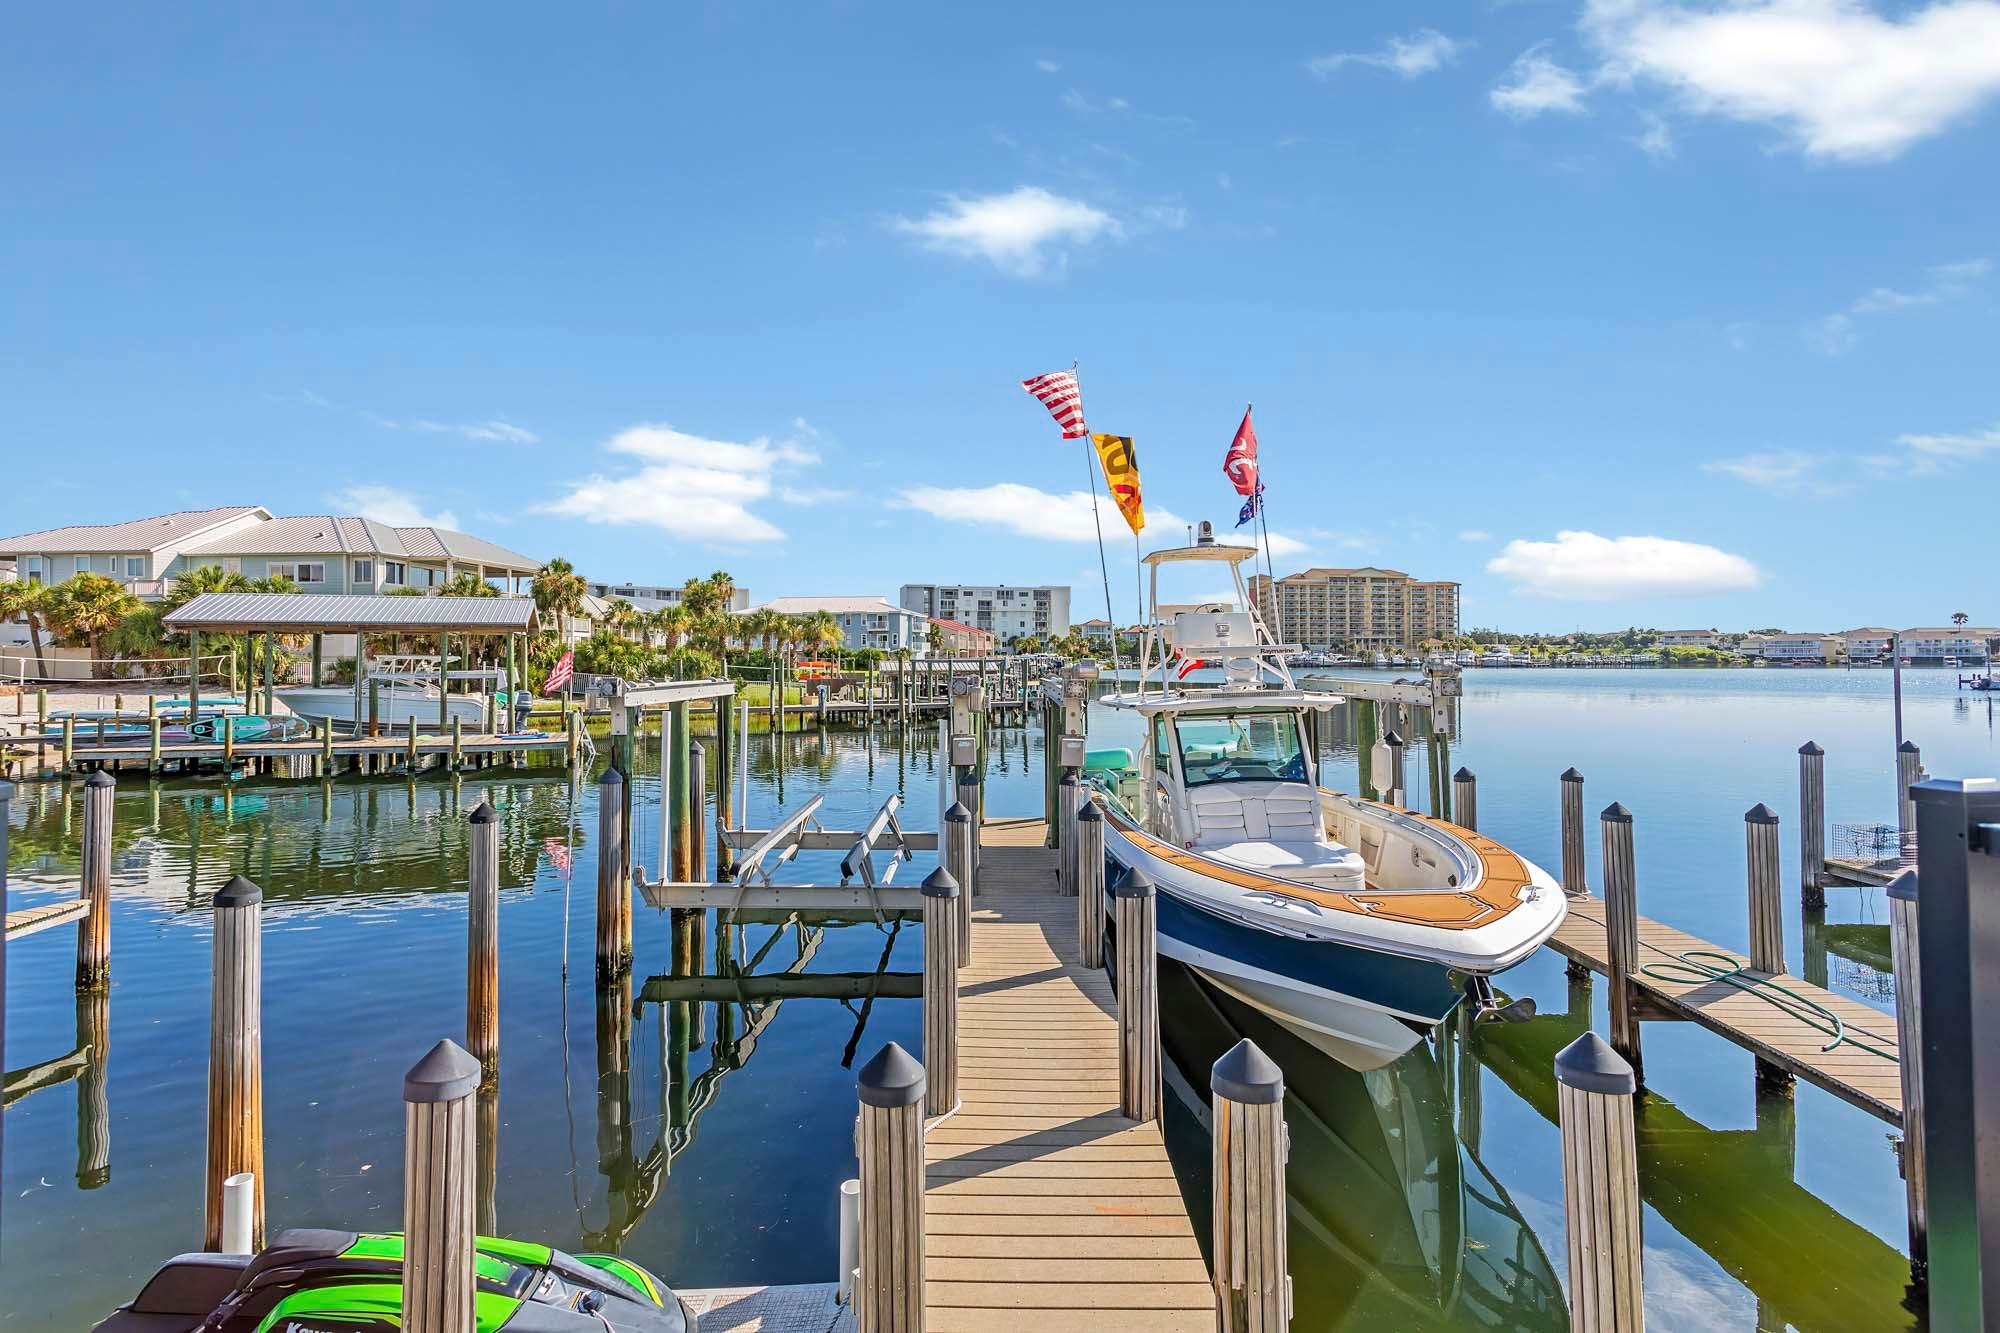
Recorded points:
1240,747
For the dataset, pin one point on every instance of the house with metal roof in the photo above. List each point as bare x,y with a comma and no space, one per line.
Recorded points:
865,622
322,553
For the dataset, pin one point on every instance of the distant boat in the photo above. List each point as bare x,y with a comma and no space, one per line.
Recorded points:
404,690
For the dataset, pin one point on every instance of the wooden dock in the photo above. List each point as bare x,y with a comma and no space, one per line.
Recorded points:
116,754
1045,1209
1847,1071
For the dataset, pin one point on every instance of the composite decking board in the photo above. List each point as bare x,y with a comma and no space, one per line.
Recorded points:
26,921
1045,1208
1848,1072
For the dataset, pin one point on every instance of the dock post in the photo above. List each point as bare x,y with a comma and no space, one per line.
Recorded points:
410,751
726,760
1398,794
1621,931
613,950
1465,799
889,1139
1600,1187
457,743
1767,923
955,846
1090,885
1812,826
236,1056
1069,795
940,892
439,1174
69,743
1909,772
697,795
93,933
1137,912
1907,961
482,938
153,734
972,795
1253,1285
678,793
93,1105
1575,881
326,748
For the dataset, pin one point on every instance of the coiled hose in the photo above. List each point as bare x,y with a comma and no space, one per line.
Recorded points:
1688,970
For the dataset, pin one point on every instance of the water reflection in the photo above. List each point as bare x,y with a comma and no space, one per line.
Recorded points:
1395,1221
87,1065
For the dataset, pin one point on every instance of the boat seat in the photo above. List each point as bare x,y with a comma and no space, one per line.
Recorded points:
1273,828
1326,865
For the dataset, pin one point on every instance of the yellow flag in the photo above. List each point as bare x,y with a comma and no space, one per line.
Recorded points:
1121,475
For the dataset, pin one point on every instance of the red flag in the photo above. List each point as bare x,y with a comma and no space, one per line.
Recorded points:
1240,463
1063,396
560,673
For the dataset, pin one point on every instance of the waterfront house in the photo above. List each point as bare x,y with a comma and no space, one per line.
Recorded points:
321,553
963,640
1869,644
1689,638
865,622
1932,645
1794,649
1097,629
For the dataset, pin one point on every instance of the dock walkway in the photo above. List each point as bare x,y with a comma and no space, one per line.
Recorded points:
1045,1209
1847,1071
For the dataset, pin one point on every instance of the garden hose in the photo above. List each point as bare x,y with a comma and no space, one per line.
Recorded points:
1689,970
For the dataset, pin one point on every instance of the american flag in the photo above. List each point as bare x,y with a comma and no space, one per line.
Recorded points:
1059,392
560,673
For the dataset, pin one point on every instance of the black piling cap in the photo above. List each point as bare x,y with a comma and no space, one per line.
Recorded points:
939,884
1571,775
1904,886
958,814
1464,775
1134,883
1068,778
101,778
892,1078
1616,813
1811,747
1760,814
1090,812
1391,738
239,892
445,1075
610,777
1588,1064
1245,1074
485,814
1907,747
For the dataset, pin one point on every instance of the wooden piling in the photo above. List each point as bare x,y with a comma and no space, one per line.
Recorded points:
889,1139
69,743
1812,825
1600,1187
236,1056
1908,964
326,747
726,760
956,857
1575,881
440,1173
1253,1287
1137,919
1069,797
614,952
93,932
679,794
1090,885
1909,772
1767,922
153,736
457,743
1621,930
940,892
697,796
1465,799
482,938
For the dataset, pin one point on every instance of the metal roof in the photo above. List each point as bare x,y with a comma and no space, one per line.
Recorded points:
840,606
326,534
305,613
137,535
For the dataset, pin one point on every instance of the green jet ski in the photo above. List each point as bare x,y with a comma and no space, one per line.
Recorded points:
311,1281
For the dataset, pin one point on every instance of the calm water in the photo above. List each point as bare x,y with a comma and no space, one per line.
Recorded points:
707,1140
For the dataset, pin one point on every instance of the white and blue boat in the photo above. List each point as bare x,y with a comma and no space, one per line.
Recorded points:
1357,923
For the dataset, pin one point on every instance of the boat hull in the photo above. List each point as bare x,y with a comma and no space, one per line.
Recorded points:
395,707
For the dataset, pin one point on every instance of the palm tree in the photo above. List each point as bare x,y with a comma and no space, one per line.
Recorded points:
30,602
85,608
824,633
467,583
208,578
934,637
558,591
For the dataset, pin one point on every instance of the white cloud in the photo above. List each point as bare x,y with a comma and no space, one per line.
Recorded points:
1420,53
1048,67
1536,84
1927,455
1840,79
1063,517
1169,217
497,432
1582,566
386,504
1015,232
1836,333
1657,139
693,488
1782,471
1475,535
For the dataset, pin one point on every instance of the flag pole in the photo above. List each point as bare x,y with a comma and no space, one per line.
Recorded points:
1139,593
1097,520
1277,625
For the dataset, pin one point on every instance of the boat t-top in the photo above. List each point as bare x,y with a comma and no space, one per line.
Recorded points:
1356,923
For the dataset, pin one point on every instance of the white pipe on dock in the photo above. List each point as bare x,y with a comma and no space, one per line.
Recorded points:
239,1211
850,1238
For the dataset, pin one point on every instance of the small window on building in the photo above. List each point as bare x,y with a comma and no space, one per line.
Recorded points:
309,571
364,573
135,567
392,573
32,571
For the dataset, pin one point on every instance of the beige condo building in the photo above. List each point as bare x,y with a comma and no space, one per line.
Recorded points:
1365,608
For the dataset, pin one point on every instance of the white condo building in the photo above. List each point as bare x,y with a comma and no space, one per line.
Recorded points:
1689,638
1010,613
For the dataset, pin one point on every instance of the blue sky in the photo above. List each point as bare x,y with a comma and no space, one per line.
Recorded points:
1617,311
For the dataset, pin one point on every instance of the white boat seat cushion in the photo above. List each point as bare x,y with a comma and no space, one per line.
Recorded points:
1272,828
1328,865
